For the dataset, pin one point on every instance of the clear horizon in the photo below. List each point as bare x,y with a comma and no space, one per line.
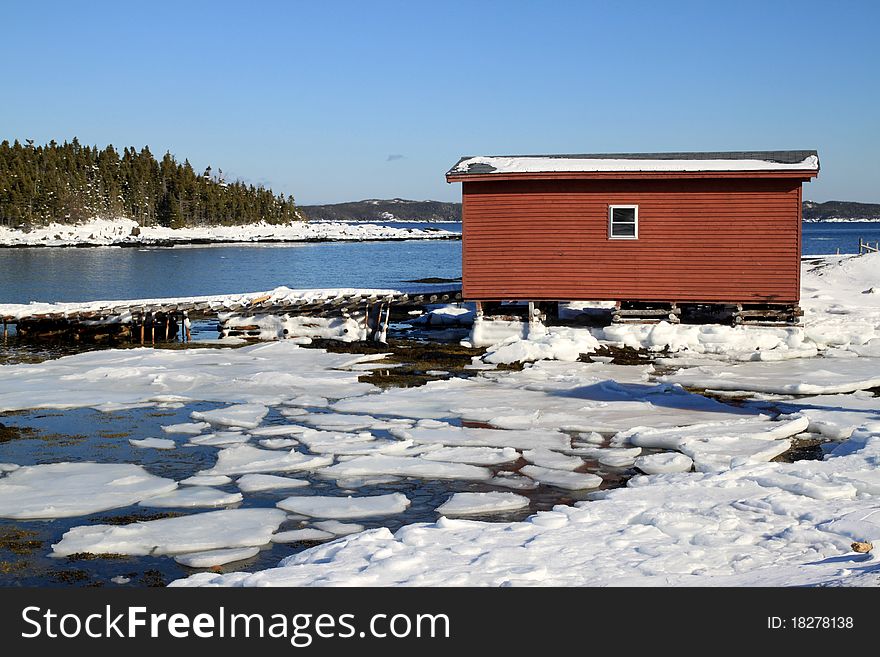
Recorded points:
347,101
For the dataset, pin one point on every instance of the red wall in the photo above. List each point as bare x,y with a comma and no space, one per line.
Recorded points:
710,240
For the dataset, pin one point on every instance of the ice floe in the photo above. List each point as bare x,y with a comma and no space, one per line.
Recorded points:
199,532
153,443
211,558
664,462
248,416
191,497
562,478
243,459
341,508
265,374
404,466
191,428
252,483
546,458
61,490
796,377
338,528
463,504
206,480
473,455
299,535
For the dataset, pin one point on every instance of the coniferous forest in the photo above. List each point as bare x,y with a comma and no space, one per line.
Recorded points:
71,182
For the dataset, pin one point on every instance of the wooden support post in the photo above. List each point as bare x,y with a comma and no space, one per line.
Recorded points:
167,326
153,328
479,310
142,317
186,325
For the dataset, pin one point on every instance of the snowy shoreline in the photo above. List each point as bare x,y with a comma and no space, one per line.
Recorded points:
709,502
127,233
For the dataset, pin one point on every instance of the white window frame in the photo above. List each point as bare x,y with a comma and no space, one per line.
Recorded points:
611,209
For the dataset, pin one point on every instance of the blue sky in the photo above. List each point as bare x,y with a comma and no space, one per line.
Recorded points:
335,101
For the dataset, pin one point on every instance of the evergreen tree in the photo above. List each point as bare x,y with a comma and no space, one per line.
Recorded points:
70,182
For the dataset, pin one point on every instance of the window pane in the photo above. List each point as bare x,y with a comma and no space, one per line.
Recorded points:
623,230
623,214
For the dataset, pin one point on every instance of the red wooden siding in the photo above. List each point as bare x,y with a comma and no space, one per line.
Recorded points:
700,240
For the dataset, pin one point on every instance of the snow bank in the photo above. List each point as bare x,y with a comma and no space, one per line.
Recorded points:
114,232
62,490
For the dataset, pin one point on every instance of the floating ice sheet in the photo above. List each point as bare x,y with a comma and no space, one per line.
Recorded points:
836,416
190,428
463,504
299,535
248,416
562,478
793,377
473,455
213,558
61,490
206,480
346,507
198,532
664,462
338,528
191,497
252,483
547,458
243,459
404,466
153,443
220,438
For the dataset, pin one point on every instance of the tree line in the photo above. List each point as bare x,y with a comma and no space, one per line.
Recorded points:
71,182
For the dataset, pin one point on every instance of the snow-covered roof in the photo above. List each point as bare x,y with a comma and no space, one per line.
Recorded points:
807,161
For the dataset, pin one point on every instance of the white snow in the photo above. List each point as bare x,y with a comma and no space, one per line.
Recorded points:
243,459
663,462
836,416
248,416
191,497
574,163
118,231
463,504
252,483
62,490
341,508
211,558
198,532
153,443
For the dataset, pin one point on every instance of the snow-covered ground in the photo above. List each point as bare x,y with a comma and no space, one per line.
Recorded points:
120,231
712,508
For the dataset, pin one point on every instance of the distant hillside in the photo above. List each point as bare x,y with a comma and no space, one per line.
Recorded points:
841,211
384,210
403,210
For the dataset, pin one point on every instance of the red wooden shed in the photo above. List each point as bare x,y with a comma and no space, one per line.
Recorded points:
674,228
